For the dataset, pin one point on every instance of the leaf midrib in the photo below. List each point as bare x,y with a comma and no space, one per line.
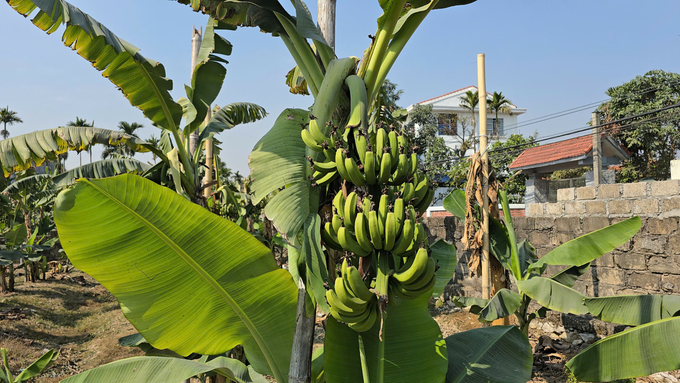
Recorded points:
204,274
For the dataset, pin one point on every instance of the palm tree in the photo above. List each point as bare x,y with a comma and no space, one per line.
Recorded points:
470,102
8,117
498,103
155,141
123,150
82,122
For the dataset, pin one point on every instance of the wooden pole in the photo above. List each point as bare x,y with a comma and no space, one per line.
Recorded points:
483,143
597,149
208,177
326,19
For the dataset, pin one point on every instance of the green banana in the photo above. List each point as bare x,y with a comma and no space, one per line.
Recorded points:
310,141
335,302
416,270
358,101
336,223
385,168
355,175
367,323
401,172
346,297
316,133
362,233
406,238
394,148
407,192
324,167
339,204
349,243
414,162
340,163
374,229
361,144
421,189
399,212
357,284
329,238
424,278
369,168
380,143
326,179
366,206
390,231
426,201
383,208
350,213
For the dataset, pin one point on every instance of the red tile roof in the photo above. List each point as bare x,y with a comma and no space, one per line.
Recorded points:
575,147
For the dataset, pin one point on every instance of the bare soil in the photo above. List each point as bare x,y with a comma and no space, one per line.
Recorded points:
72,313
67,312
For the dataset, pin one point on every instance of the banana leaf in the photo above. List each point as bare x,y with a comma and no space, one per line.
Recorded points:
32,149
317,366
315,261
27,183
37,367
503,304
569,276
499,244
188,280
444,254
553,295
475,304
16,236
141,80
277,161
414,348
455,204
498,354
634,310
640,351
589,247
157,369
526,255
100,169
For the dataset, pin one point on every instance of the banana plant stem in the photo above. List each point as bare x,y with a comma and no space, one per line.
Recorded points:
304,50
362,357
183,155
397,45
382,39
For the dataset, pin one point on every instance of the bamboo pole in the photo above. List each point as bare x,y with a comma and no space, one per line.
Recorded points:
196,40
483,143
208,177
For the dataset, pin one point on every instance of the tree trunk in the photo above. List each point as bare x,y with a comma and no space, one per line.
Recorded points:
10,283
326,19
301,354
196,39
3,281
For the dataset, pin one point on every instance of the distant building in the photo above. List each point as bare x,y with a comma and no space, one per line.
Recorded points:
447,107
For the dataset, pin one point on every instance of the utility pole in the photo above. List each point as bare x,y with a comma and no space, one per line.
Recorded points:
597,149
483,143
196,39
326,18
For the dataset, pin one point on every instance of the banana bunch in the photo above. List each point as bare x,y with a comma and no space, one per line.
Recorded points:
351,301
362,227
415,277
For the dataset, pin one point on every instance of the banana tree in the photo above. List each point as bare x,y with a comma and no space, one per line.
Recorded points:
9,255
526,269
144,84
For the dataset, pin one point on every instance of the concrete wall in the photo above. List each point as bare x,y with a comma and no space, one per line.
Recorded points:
648,263
659,199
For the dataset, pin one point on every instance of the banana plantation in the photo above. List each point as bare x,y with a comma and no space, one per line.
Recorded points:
224,281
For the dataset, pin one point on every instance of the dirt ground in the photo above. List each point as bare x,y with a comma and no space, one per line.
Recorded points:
67,312
74,314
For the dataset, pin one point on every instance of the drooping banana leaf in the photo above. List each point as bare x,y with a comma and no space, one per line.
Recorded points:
498,354
640,351
634,310
589,247
503,304
455,204
526,255
26,184
278,161
553,295
188,280
157,369
16,236
24,151
569,276
141,80
475,304
231,115
243,13
296,82
444,254
414,348
315,261
499,244
100,169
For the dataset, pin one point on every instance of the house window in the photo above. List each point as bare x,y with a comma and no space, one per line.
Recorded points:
448,124
496,130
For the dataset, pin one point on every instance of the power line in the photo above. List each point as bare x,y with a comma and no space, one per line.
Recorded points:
522,147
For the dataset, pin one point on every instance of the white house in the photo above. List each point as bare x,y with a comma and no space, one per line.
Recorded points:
448,107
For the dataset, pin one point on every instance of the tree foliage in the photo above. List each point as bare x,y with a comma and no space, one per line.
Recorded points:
502,155
653,139
8,117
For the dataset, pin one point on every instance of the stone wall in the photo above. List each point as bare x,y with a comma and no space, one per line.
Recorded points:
659,199
648,263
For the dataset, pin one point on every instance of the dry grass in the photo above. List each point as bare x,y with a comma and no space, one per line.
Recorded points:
82,322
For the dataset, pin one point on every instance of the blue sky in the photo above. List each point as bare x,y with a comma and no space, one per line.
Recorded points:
546,56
